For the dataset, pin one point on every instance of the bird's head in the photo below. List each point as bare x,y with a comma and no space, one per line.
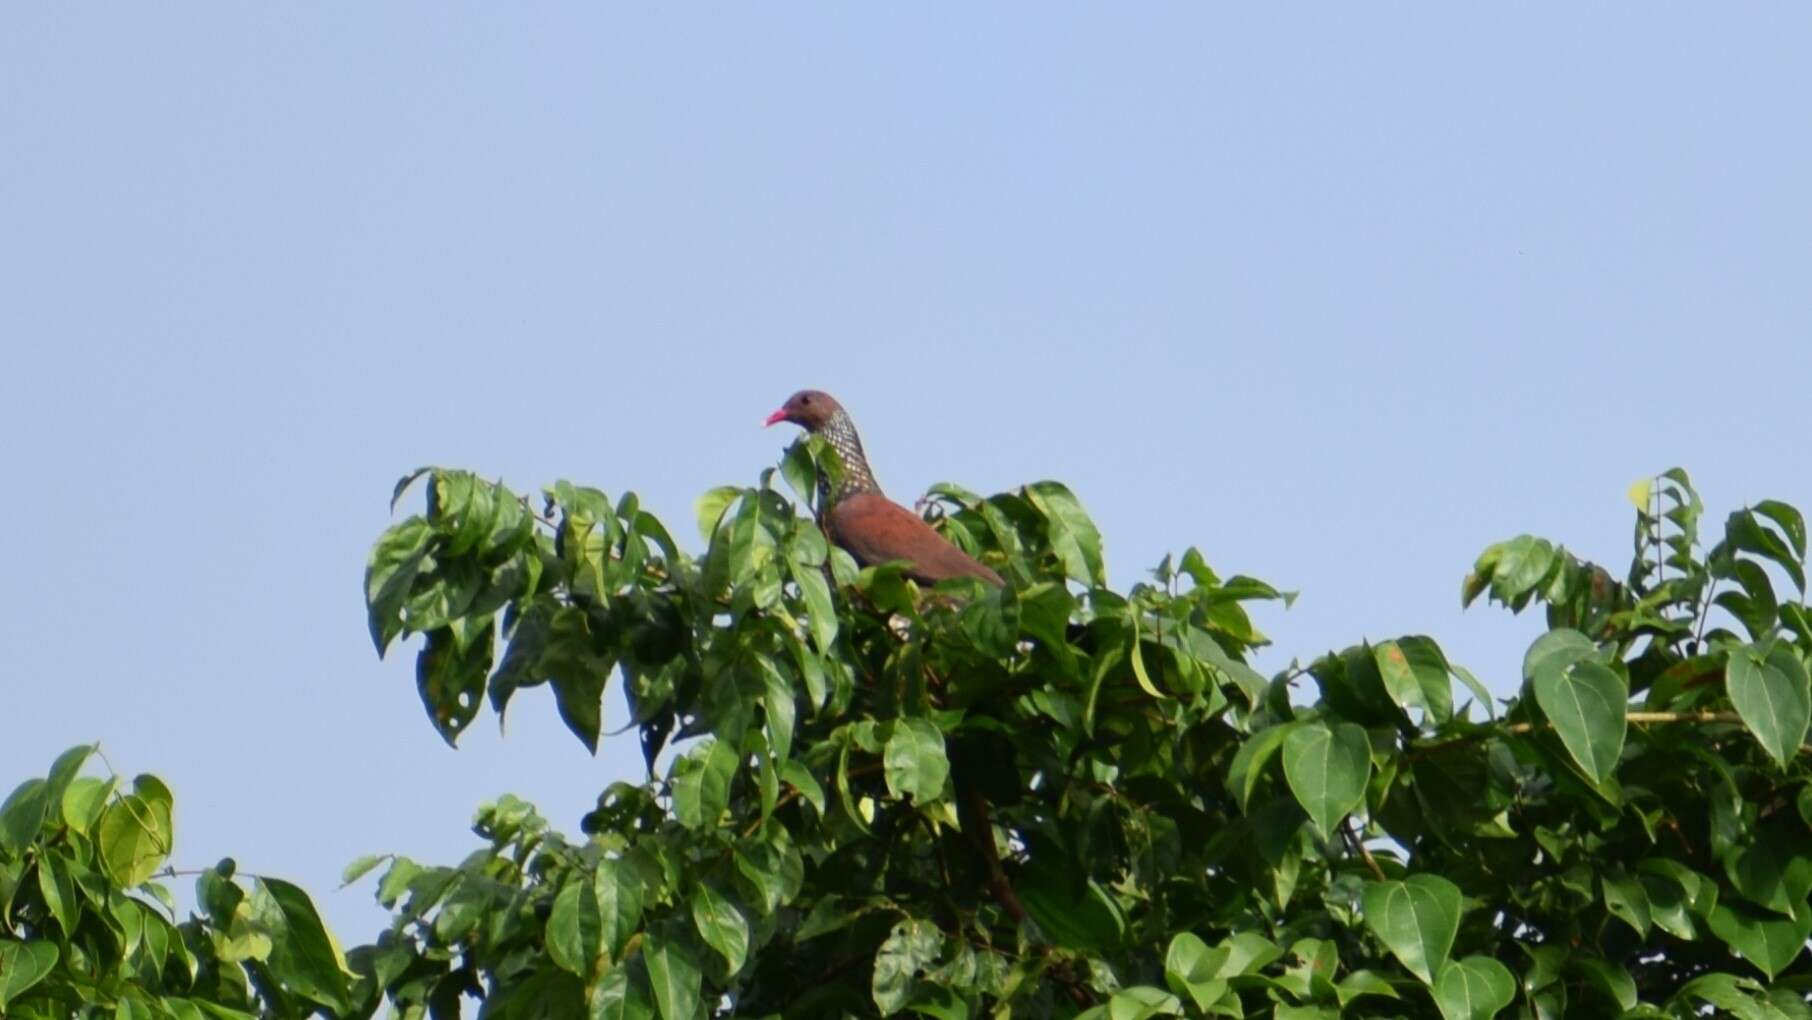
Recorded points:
809,409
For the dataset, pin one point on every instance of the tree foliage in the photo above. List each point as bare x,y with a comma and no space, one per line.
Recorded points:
1048,799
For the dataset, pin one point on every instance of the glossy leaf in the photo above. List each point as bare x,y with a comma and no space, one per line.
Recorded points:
22,965
720,924
1416,919
1474,988
1767,940
1192,969
305,956
1327,769
673,973
1072,535
1248,765
701,783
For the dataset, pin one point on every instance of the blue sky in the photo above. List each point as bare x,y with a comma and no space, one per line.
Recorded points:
1340,297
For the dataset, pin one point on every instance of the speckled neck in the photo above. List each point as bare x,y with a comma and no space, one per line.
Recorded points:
840,432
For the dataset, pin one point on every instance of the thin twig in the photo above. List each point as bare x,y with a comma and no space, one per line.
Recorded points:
1357,842
1640,718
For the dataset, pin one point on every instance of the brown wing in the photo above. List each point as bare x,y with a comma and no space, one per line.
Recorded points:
874,530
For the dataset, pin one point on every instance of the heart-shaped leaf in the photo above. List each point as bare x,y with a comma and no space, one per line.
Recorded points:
1769,941
1416,919
1769,687
1586,702
1327,769
1474,988
23,964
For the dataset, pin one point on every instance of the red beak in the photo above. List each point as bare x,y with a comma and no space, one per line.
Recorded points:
777,417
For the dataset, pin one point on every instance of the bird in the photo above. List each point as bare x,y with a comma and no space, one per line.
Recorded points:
858,517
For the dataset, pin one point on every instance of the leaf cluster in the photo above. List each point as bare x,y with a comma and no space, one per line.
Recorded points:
1049,799
1057,799
87,929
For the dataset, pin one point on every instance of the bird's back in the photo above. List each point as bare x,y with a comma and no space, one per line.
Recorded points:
875,529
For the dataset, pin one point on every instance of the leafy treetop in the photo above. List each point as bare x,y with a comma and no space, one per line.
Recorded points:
1051,799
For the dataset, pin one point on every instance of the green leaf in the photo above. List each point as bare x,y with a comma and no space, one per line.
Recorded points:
23,964
779,705
827,915
1776,870
1070,908
1555,651
1474,988
992,622
134,837
915,760
821,613
1327,770
1522,562
621,899
59,891
1072,535
1416,673
801,779
701,783
571,932
912,946
450,675
305,955
22,815
1790,520
1416,919
1609,978
1587,703
1479,691
361,867
721,924
1249,761
1192,969
1625,898
1364,982
1768,940
673,972
84,801
1247,952
1739,996
710,509
63,772
1770,689
578,658
622,994
1743,531
1141,1002
390,571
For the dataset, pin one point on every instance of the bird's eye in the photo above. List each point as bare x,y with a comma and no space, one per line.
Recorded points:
805,400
